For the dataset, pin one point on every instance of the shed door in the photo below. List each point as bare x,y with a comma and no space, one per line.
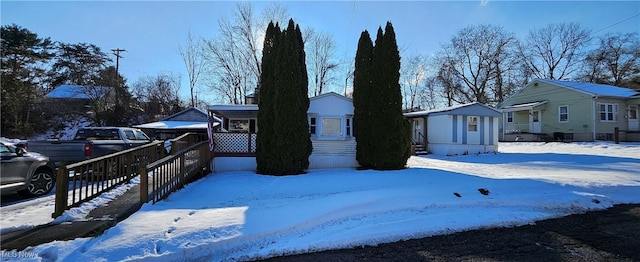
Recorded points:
632,117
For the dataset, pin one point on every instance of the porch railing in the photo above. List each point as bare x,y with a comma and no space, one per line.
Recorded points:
80,182
167,175
235,144
516,128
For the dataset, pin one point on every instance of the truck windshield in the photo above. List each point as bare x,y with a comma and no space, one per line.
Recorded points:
97,134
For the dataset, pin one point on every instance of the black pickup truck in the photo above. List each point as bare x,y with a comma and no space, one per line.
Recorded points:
89,142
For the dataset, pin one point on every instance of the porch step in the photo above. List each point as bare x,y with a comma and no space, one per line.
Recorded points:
419,149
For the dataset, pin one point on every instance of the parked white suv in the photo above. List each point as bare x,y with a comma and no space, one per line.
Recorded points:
26,173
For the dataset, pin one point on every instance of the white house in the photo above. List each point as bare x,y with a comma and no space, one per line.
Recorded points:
457,130
330,118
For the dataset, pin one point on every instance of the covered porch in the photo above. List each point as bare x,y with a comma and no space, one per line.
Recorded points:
523,122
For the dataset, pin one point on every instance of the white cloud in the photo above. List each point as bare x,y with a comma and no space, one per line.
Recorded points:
484,2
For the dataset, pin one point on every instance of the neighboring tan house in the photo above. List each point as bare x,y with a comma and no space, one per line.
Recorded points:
192,120
330,119
457,130
547,110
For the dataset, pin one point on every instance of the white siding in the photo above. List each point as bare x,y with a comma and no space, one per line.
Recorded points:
439,129
330,105
223,164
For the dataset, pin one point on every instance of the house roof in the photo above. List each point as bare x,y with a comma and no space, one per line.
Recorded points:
334,94
474,108
79,92
523,106
594,89
176,125
235,111
197,111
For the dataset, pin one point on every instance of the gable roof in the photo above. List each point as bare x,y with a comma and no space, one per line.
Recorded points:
474,109
594,89
334,94
79,92
177,116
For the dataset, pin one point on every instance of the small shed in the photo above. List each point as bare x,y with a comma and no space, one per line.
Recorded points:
458,130
191,120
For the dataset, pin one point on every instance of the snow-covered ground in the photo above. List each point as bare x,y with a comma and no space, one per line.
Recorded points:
244,216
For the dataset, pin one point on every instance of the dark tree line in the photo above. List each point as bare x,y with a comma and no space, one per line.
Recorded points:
283,144
32,66
381,131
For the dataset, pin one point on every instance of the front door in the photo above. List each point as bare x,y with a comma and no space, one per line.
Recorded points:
418,136
632,117
534,122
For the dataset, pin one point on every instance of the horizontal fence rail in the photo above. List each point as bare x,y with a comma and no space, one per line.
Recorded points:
80,182
167,175
516,128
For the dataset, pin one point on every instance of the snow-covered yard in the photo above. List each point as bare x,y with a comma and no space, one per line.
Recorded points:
243,216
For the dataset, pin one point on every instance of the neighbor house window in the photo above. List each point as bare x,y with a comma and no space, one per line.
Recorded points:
348,126
312,125
509,117
331,127
608,112
239,125
472,123
563,114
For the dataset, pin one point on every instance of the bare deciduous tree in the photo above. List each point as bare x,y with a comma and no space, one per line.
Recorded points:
474,65
233,56
413,75
193,61
553,52
615,61
158,95
321,49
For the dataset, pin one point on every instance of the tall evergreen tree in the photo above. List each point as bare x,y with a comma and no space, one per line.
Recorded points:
395,136
24,59
382,133
284,144
363,118
266,112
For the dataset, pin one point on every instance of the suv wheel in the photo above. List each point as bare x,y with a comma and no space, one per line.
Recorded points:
42,183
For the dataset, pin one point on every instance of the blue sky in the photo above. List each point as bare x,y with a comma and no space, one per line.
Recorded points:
151,31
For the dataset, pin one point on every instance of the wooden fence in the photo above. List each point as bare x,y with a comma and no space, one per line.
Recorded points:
80,182
167,175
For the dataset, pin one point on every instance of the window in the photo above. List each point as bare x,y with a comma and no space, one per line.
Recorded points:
348,126
472,123
563,114
239,125
608,112
129,134
633,112
312,125
331,127
141,136
509,117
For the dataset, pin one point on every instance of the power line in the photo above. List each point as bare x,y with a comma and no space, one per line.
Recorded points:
617,23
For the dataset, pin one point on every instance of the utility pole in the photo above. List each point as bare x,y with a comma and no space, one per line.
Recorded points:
116,52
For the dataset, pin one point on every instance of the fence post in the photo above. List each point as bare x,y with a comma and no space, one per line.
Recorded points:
62,190
249,142
616,135
144,184
183,169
